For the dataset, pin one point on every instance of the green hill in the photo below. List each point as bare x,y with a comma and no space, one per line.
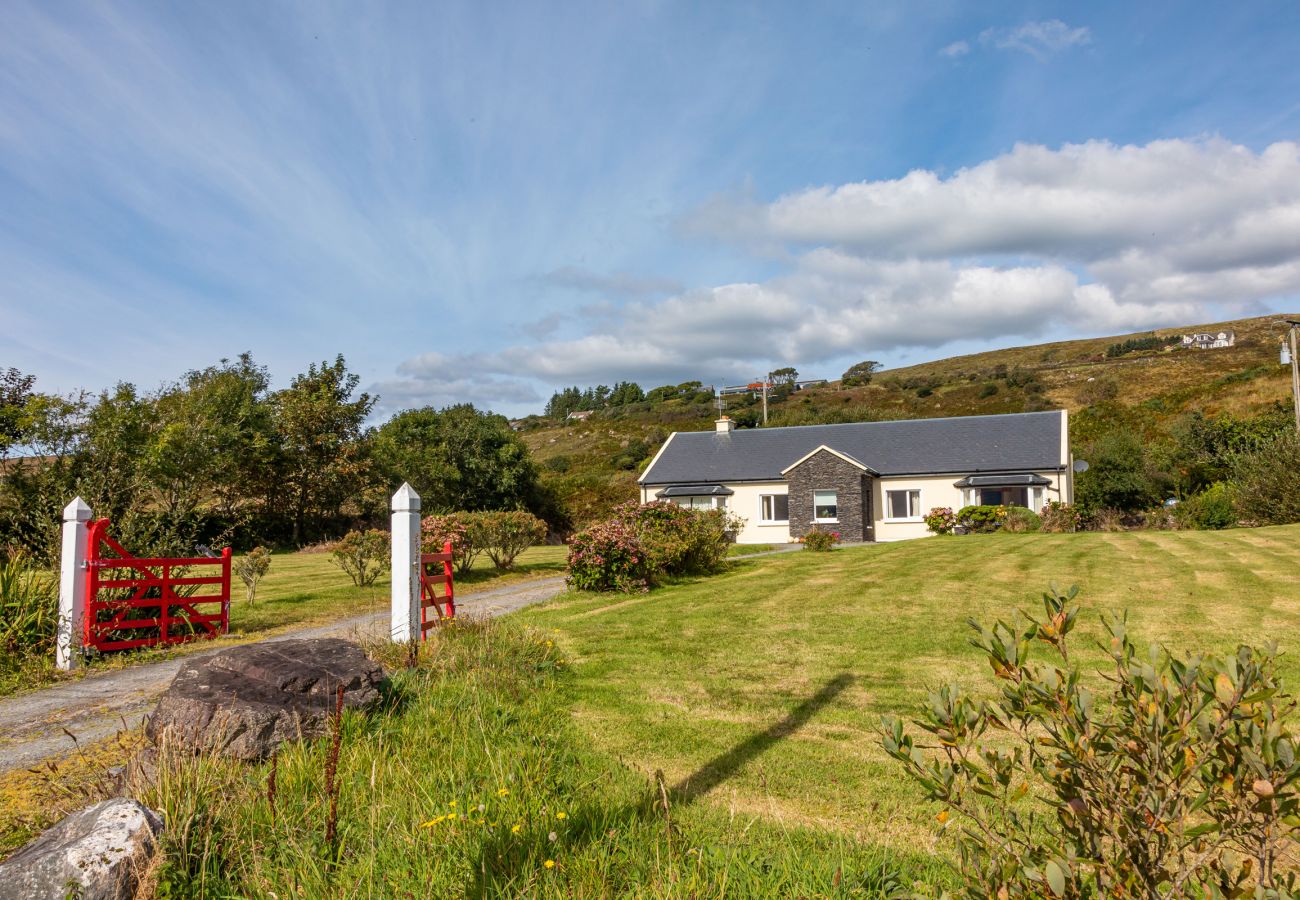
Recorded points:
1146,385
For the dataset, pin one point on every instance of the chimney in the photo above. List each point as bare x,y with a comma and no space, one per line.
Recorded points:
724,425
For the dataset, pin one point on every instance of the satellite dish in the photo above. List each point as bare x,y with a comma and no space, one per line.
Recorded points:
1080,465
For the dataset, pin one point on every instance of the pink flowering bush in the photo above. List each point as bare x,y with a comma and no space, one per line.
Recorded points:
609,557
679,541
436,531
941,520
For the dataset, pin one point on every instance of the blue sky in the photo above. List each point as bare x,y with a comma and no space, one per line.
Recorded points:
485,202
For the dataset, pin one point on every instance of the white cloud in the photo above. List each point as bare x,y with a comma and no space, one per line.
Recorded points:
1039,39
955,49
1088,238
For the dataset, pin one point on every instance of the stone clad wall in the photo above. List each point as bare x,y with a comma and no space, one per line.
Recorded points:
827,472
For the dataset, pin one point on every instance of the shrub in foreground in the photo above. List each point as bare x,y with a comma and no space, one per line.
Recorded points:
941,520
29,609
819,540
608,557
251,568
362,555
1179,782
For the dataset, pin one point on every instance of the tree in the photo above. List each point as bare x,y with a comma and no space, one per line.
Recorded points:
860,373
1118,476
458,459
1268,482
318,427
15,391
787,375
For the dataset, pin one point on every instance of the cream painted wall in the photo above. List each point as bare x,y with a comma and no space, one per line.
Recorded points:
936,490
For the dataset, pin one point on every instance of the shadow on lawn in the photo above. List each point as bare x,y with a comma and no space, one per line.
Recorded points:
508,863
722,767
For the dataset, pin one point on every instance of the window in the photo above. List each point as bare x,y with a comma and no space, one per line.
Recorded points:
1005,496
825,506
774,508
903,504
701,502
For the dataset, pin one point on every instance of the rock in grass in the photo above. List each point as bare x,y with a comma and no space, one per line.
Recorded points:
246,701
95,854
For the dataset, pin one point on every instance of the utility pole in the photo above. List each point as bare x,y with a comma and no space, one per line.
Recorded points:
1292,327
768,378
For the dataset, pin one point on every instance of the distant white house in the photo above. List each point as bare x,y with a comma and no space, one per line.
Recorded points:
1209,340
578,415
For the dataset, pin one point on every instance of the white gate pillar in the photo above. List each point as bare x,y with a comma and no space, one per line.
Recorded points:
72,584
405,624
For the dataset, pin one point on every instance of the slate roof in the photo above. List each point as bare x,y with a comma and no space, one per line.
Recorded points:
965,445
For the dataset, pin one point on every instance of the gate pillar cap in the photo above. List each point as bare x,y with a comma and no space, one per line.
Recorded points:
76,511
406,499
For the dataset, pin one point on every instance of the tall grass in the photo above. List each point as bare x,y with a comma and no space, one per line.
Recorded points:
471,780
29,615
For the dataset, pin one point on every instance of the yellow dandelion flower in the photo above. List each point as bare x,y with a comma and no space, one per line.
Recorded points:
501,792
561,815
451,816
550,864
452,803
516,829
551,644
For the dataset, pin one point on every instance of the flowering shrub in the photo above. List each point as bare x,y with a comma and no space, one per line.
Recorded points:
1060,517
819,540
981,518
941,520
608,557
679,541
436,531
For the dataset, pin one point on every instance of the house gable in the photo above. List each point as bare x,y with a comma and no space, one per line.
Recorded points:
827,469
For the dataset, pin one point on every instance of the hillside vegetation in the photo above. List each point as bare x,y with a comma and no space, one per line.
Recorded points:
593,464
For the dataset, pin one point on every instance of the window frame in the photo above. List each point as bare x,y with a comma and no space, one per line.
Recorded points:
762,520
831,521
916,515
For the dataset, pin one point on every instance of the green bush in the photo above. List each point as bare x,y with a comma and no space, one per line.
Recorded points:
981,518
679,541
504,535
1179,781
988,390
363,555
251,567
29,608
819,540
1210,510
1267,479
1021,519
609,557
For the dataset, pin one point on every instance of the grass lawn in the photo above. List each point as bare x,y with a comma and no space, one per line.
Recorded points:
300,590
761,689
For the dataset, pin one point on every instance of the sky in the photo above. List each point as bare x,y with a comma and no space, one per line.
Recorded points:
484,202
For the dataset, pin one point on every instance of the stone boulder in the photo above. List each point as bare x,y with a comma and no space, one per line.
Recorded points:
96,854
246,701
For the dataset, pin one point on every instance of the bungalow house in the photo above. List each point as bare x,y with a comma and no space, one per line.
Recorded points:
870,481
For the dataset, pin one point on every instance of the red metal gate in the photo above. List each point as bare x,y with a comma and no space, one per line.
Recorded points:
134,602
435,572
